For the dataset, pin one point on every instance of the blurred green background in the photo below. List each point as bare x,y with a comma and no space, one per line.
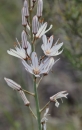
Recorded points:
66,17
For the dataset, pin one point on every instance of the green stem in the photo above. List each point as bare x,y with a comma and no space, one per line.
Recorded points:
37,103
45,107
34,78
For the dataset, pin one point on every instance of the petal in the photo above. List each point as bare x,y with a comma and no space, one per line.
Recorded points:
56,47
34,60
41,30
50,41
13,53
27,67
29,48
48,29
44,38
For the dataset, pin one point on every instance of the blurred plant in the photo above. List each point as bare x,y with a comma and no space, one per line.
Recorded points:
34,29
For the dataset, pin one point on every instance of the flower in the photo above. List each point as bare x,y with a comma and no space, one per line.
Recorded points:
57,96
44,119
42,30
37,68
24,98
20,52
47,47
12,84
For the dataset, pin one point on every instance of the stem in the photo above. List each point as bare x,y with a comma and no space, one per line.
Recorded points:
39,81
45,106
34,78
32,112
37,103
30,18
32,94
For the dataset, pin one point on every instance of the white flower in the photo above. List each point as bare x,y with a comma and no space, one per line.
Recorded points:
42,30
48,48
20,52
24,98
44,119
37,68
12,84
57,96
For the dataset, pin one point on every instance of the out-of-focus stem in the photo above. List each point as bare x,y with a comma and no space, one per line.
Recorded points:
45,106
29,92
32,112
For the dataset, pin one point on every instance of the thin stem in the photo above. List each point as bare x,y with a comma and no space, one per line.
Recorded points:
39,81
45,106
30,18
37,103
34,78
32,94
32,112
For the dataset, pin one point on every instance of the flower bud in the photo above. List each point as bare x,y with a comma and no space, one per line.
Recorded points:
26,12
24,20
12,84
35,24
24,98
39,8
24,39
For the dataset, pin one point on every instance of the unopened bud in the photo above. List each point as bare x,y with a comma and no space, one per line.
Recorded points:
39,8
12,84
26,12
24,20
35,24
24,98
24,39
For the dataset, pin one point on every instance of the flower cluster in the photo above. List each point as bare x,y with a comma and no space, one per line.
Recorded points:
34,29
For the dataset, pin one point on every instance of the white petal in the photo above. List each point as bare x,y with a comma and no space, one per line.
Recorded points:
57,104
44,38
56,47
34,60
27,67
41,30
48,29
29,48
50,41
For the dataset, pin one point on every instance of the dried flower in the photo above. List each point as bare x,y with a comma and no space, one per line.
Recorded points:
47,47
35,24
37,68
24,20
57,96
20,52
24,98
39,8
44,119
12,84
42,30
